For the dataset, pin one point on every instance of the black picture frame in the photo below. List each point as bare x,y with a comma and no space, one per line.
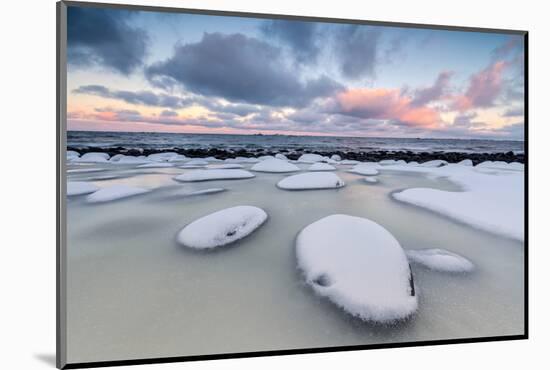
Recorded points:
61,110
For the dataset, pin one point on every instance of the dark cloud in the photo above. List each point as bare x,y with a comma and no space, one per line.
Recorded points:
436,91
148,98
300,36
104,37
168,113
514,112
356,50
237,68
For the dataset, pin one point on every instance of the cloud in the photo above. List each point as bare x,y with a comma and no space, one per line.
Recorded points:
143,97
237,68
384,104
300,36
483,89
168,113
435,92
514,112
356,50
103,37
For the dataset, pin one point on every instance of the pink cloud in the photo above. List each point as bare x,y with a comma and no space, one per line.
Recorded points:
484,87
386,104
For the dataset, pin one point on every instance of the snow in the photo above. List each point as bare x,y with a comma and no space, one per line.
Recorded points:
320,166
177,158
350,162
71,154
93,157
265,157
227,166
500,165
310,158
80,188
281,156
116,157
366,169
434,163
197,162
242,160
371,180
386,162
222,227
440,260
84,170
359,266
216,174
130,159
162,157
311,180
114,192
274,165
156,165
189,166
492,202
466,162
201,192
336,157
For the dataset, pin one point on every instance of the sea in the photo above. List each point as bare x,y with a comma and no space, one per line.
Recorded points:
285,143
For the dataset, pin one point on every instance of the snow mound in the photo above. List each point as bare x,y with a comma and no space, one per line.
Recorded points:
274,165
359,266
177,158
227,166
162,157
281,157
190,166
241,160
92,157
156,165
440,260
371,180
320,166
310,158
220,174
500,165
71,154
197,162
434,163
336,157
389,162
365,169
466,162
222,227
350,162
311,180
130,159
493,203
114,192
80,188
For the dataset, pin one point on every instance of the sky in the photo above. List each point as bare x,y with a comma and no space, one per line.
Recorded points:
145,71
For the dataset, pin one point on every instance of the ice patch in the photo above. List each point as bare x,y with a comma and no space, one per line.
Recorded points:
440,260
359,266
222,227
311,180
220,174
114,192
80,188
320,166
274,165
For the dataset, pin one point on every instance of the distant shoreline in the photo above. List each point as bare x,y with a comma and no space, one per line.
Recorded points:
363,156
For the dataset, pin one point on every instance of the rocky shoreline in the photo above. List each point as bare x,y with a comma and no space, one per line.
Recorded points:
362,156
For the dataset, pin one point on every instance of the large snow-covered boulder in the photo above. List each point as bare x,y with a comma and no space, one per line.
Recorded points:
274,165
130,159
281,156
466,162
93,157
114,192
80,188
71,154
320,166
359,266
162,157
311,158
222,227
219,174
335,157
311,180
440,260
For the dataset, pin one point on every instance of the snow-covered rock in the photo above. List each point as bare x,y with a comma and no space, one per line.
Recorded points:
114,192
222,227
274,165
80,188
227,166
130,159
336,157
351,162
311,180
440,260
92,157
197,162
365,169
466,162
281,157
162,157
265,157
389,162
434,163
310,158
371,180
320,166
359,266
177,158
71,154
116,157
220,174
500,165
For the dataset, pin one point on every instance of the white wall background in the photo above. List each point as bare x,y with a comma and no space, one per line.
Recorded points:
27,145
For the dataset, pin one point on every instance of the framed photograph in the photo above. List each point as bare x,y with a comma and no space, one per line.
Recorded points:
234,184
